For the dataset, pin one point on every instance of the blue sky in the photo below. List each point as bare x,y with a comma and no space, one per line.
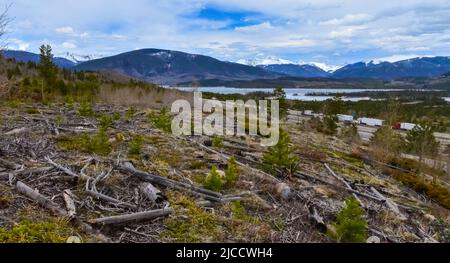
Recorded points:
336,32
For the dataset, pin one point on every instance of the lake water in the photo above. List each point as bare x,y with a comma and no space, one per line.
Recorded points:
292,94
447,99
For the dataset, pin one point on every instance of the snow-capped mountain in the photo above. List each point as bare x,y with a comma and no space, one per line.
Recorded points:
272,60
77,58
269,60
324,66
413,67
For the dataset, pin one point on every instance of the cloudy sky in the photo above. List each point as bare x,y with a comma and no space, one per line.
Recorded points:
329,31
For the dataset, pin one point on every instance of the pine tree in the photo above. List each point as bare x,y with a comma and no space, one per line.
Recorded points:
280,95
334,106
231,173
213,181
47,69
351,227
421,141
281,159
386,144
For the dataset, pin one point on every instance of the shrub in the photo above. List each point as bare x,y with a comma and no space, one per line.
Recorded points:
281,159
231,173
386,144
86,109
135,146
130,113
350,134
351,227
214,181
161,121
69,101
217,142
116,116
105,122
98,144
436,192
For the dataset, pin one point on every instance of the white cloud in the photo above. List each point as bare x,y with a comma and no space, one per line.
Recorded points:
17,44
255,28
349,19
336,31
68,45
65,30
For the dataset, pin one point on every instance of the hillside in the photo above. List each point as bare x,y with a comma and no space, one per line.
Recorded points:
170,67
295,70
98,152
417,67
23,56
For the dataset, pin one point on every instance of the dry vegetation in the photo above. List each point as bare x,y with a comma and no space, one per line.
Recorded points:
108,167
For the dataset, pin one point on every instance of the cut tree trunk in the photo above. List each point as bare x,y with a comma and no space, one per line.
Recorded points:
132,218
156,179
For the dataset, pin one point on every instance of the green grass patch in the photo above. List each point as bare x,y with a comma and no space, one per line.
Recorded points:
190,223
54,231
93,144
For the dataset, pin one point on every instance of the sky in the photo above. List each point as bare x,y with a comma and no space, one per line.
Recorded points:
336,32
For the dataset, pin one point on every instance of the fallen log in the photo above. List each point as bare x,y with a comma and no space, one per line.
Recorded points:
70,204
40,199
342,180
156,179
389,203
317,219
9,164
223,201
111,200
311,177
132,218
50,205
257,172
66,170
16,131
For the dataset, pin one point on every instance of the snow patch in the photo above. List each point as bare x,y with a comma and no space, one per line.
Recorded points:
77,58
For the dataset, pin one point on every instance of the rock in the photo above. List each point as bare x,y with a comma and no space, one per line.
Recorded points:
283,190
373,240
73,239
430,218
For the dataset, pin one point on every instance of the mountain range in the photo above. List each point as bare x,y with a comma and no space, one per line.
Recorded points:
172,67
24,56
415,67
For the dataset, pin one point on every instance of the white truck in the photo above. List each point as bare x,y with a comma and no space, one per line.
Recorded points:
407,126
345,118
308,113
371,122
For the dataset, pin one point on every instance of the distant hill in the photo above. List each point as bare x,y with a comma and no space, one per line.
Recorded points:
24,56
171,67
416,67
296,70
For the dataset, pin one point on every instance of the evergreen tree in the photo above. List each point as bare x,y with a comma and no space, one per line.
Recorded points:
280,95
351,227
421,141
231,173
47,69
281,159
386,144
334,106
213,181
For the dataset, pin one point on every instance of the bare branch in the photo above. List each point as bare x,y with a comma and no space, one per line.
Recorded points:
4,22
